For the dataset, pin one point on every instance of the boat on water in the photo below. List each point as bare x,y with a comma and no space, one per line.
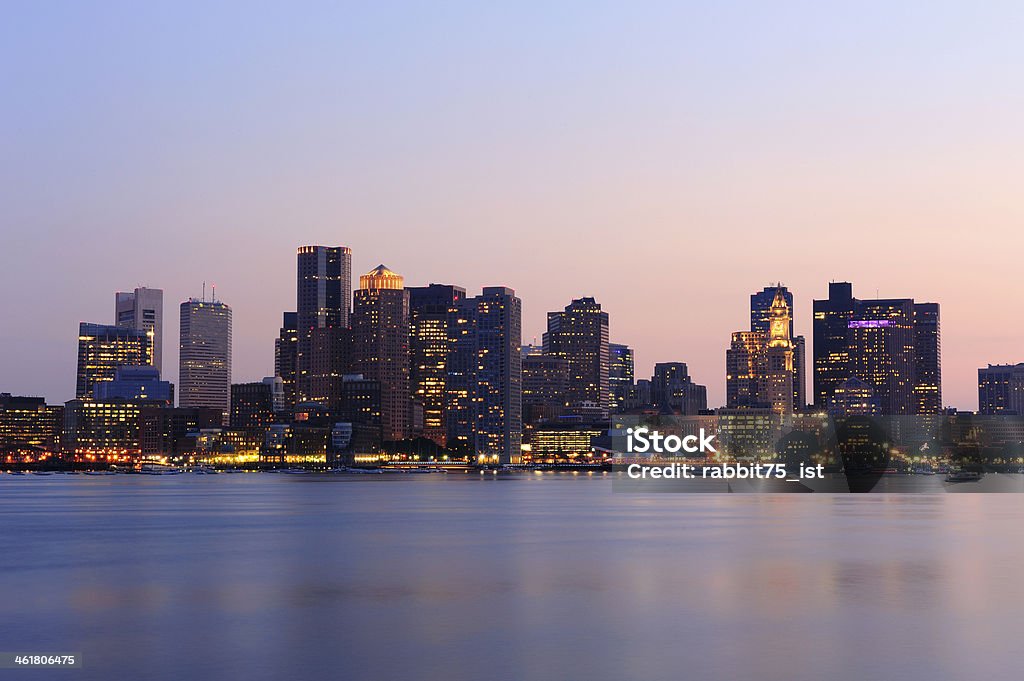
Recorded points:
101,472
365,471
159,469
964,476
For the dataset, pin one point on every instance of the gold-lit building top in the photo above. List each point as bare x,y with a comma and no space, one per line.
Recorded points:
381,277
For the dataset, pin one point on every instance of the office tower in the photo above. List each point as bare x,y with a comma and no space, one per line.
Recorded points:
746,371
172,431
286,352
102,431
673,391
428,352
139,383
927,359
620,375
204,356
143,309
779,378
544,385
330,360
579,334
882,351
1001,390
102,349
29,424
831,347
323,300
484,382
380,345
252,405
760,321
893,345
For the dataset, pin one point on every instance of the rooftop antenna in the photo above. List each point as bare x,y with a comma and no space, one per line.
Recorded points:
214,294
204,290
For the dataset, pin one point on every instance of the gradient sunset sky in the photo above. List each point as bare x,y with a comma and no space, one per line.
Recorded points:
668,160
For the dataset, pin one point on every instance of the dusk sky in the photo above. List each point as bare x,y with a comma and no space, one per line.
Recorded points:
668,160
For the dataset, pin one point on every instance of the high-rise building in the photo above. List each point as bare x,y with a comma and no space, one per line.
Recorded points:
831,345
484,382
331,359
927,359
579,334
672,390
746,371
780,357
428,352
143,309
620,375
544,385
323,301
891,344
380,345
286,352
204,356
882,351
760,321
102,349
1001,390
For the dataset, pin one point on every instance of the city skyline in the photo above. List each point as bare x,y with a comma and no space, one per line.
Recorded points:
633,155
710,376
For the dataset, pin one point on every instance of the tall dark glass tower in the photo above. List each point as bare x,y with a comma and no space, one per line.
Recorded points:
286,352
579,334
428,352
484,382
323,301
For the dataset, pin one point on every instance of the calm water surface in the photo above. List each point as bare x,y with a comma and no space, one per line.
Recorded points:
454,577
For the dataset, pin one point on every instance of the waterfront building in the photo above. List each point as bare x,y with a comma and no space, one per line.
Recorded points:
673,391
429,308
252,405
484,382
29,424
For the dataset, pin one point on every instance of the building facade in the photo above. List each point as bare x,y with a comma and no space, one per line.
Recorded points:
102,349
323,301
1001,390
204,356
579,334
429,308
143,310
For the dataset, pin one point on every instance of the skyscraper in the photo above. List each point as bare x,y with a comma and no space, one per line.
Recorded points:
143,309
620,375
380,345
891,344
780,356
484,382
428,351
204,356
927,359
579,334
323,300
831,347
286,351
102,349
1001,390
760,321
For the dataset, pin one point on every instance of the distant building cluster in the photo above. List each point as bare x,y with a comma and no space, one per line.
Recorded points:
388,371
